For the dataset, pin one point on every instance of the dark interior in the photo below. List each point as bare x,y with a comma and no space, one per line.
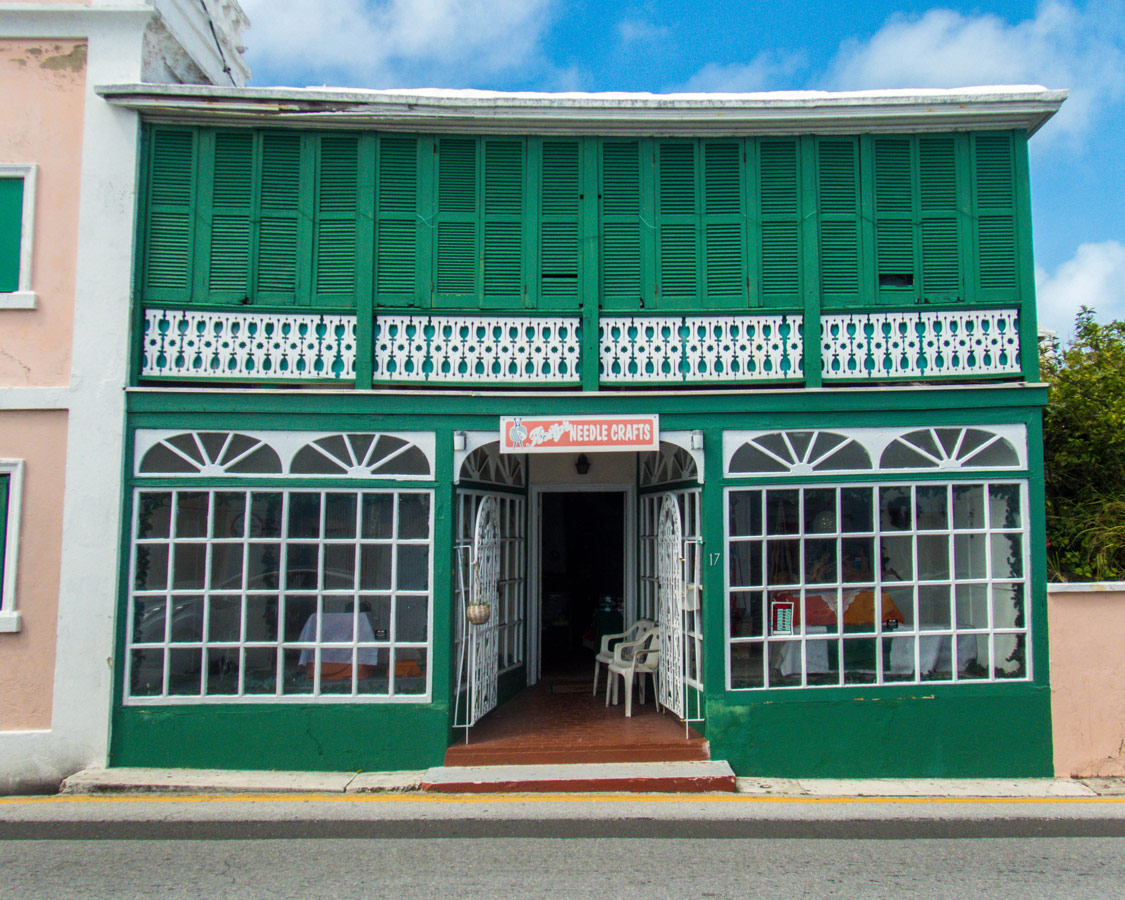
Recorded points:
583,564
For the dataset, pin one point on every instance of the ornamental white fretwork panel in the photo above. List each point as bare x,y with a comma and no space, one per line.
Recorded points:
920,344
660,349
478,349
305,346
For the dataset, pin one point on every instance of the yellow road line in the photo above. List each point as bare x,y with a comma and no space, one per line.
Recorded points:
530,798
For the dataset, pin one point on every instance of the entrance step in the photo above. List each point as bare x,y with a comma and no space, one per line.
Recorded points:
650,777
532,750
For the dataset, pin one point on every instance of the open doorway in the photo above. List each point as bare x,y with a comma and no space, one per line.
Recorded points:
582,571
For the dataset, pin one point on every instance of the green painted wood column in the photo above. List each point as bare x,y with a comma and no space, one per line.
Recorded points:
590,276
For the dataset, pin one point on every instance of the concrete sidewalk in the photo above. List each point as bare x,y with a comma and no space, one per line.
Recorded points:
215,781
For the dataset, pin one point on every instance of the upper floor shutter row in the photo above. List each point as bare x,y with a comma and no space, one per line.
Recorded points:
281,218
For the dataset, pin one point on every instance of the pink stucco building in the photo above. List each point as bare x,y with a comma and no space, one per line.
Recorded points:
67,198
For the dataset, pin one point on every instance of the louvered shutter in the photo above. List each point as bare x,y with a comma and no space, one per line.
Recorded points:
171,196
336,221
941,252
838,188
994,201
677,231
560,193
895,215
779,262
396,222
502,225
232,198
622,277
455,254
724,240
279,214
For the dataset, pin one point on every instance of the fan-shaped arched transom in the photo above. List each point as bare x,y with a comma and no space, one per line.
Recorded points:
950,448
799,453
285,453
668,465
486,465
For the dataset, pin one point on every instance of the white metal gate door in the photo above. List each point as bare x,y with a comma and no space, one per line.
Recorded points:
670,605
484,569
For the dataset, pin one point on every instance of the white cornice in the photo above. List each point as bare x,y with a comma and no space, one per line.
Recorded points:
793,112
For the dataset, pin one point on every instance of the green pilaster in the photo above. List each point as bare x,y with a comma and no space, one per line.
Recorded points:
365,255
589,272
1025,261
810,269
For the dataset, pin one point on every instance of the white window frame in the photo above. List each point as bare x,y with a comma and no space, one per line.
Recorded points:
802,639
280,644
9,615
23,297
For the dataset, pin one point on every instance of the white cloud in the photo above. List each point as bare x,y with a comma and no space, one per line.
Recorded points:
634,31
768,71
393,43
1094,277
1062,46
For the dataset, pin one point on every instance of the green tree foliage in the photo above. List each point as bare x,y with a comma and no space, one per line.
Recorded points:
1084,449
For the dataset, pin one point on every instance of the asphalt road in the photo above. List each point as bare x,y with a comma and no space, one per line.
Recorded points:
519,847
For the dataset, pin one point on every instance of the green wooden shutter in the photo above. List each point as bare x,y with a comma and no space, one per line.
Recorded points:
724,241
941,252
895,213
560,193
456,246
232,195
677,232
11,228
779,263
396,222
838,190
171,195
503,223
279,213
622,277
994,201
5,486
336,221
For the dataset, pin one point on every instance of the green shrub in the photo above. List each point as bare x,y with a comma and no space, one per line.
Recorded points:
1084,450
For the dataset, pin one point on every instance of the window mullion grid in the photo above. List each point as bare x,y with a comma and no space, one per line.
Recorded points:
392,651
243,586
208,552
173,534
283,603
355,584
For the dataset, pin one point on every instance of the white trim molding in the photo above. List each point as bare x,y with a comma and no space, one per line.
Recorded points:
23,297
9,615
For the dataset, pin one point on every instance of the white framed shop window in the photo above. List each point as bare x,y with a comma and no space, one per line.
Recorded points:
274,593
11,491
17,232
880,582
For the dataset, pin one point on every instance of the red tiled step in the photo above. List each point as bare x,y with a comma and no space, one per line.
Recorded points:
661,777
524,753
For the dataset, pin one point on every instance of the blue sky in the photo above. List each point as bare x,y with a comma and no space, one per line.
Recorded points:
1078,177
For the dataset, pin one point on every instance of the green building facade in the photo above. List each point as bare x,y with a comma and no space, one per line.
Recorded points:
825,302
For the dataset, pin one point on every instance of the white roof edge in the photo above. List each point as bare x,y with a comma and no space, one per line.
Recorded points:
1006,106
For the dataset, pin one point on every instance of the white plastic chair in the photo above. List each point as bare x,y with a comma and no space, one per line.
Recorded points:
629,659
605,656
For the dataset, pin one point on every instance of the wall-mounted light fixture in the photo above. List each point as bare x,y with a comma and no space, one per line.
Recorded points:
459,438
697,440
582,464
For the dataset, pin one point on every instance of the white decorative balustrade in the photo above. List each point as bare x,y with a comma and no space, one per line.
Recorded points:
694,349
912,345
463,349
240,345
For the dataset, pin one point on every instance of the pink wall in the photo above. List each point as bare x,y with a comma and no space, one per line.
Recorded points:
43,84
27,675
1087,625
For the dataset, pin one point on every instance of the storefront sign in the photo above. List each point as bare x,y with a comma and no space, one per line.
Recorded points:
570,434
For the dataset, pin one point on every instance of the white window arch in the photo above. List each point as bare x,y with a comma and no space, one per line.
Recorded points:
799,453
